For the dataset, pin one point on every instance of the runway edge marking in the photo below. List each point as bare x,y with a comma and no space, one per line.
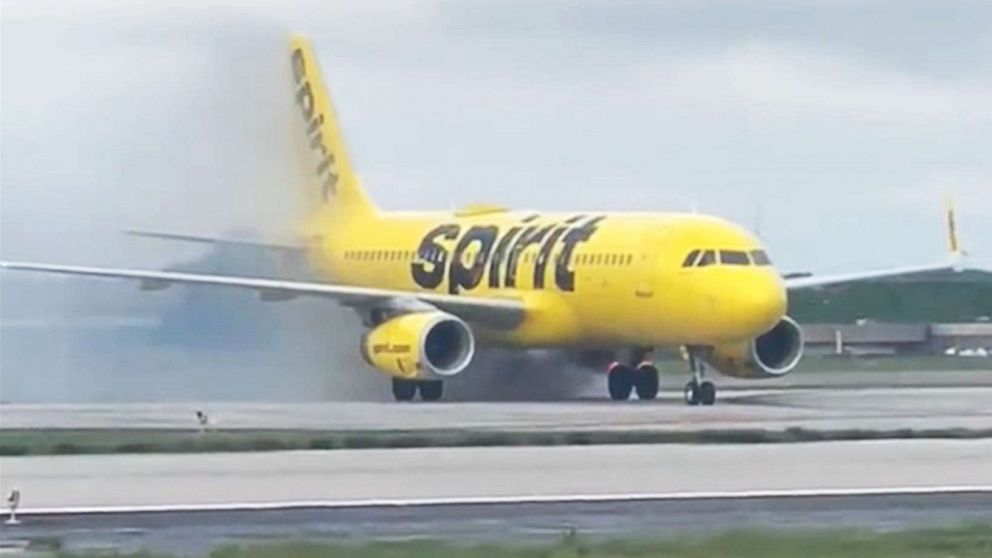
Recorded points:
497,500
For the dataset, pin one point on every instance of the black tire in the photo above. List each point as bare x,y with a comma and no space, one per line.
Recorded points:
691,393
404,390
431,390
646,382
620,380
707,393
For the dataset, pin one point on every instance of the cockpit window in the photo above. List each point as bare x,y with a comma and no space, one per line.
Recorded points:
760,257
690,259
708,258
734,257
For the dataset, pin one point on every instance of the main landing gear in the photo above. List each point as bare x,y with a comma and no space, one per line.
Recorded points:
406,390
698,391
641,378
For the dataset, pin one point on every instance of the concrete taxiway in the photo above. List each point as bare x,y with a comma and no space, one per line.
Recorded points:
821,408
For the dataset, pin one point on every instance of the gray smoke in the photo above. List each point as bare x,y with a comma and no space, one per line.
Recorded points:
174,123
163,122
511,375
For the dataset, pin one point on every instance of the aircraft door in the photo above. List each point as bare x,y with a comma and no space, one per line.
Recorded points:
647,263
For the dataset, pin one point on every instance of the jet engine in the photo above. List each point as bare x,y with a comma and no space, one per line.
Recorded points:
419,346
771,354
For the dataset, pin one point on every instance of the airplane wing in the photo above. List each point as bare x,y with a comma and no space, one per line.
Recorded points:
810,281
498,313
805,281
215,241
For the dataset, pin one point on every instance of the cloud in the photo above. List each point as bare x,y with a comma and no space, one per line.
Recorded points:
781,81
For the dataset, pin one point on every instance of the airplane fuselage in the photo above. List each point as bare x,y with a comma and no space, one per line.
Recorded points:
592,278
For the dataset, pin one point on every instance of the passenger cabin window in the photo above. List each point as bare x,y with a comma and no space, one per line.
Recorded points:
708,258
760,257
690,259
734,257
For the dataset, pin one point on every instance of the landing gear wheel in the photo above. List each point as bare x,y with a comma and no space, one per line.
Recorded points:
646,382
431,390
700,393
707,393
691,393
404,390
620,380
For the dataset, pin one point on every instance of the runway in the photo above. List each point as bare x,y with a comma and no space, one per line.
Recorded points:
479,493
189,481
833,408
128,502
195,533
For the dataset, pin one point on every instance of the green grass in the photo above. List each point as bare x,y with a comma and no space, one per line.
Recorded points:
970,541
15,442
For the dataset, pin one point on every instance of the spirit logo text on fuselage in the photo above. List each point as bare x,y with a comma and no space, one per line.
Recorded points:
325,171
499,252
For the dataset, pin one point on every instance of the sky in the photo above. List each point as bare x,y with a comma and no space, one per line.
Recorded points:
834,129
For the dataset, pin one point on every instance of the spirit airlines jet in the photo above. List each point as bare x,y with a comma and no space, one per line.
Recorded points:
432,286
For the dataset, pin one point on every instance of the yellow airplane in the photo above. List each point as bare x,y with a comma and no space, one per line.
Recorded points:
430,286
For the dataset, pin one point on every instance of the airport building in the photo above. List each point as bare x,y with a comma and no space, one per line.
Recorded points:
871,338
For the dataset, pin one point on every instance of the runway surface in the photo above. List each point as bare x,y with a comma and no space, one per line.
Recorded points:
350,477
197,532
153,501
820,408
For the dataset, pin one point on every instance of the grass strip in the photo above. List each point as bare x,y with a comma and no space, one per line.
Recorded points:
967,541
30,442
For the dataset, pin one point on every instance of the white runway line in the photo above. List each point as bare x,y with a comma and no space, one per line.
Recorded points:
496,500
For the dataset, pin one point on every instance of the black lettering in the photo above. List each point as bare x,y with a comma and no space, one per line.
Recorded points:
307,104
531,235
304,98
299,69
565,277
544,255
469,277
430,273
498,254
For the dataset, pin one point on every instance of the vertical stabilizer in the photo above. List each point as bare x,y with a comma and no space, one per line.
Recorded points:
335,181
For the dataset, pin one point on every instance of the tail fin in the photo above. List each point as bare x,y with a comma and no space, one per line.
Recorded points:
952,231
335,178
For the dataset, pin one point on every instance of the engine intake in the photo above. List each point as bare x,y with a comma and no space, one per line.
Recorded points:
420,345
772,354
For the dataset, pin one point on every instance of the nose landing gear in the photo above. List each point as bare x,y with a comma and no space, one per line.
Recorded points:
698,391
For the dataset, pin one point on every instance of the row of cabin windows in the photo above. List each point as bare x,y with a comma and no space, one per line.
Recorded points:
703,258
379,255
435,257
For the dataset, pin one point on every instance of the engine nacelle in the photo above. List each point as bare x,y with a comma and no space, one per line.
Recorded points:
420,346
770,355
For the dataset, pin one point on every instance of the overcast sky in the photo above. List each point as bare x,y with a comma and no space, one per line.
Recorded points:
835,127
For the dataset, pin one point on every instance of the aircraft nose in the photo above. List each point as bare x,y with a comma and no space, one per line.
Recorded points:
762,304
